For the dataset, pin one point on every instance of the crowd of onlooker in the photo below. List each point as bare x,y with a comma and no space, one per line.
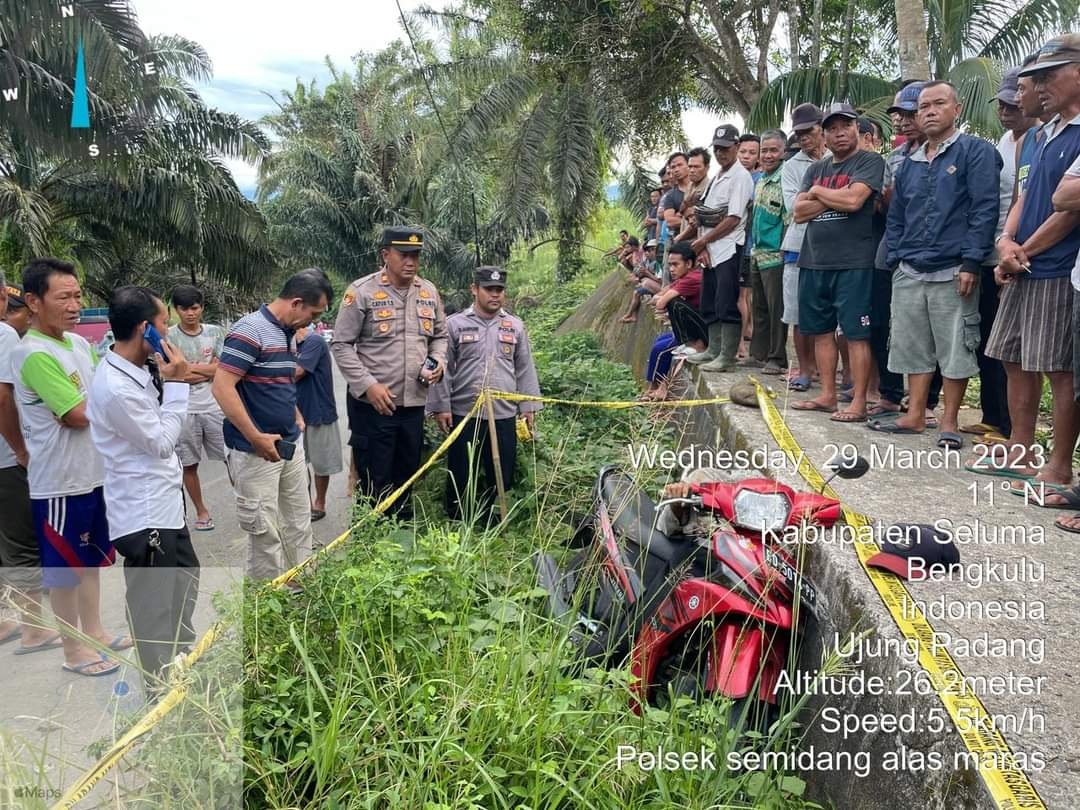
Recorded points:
912,270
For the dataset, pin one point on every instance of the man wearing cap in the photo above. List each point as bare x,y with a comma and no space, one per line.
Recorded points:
489,348
389,323
1033,332
731,192
20,561
940,230
806,123
836,265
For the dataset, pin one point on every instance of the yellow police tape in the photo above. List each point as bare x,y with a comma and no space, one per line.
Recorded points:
176,695
1007,783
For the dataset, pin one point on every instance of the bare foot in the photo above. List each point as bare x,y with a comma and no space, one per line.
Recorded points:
627,319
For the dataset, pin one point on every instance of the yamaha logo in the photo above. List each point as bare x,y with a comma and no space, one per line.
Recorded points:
693,603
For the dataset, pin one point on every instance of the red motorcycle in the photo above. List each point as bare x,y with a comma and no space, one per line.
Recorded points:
697,615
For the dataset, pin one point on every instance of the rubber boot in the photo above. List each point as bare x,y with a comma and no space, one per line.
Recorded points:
712,351
730,335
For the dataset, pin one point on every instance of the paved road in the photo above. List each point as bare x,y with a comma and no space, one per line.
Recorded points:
51,711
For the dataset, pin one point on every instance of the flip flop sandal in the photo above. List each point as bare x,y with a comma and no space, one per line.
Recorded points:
947,440
845,396
883,413
997,472
992,439
80,669
799,384
978,429
120,643
813,407
1071,529
317,514
931,423
847,417
51,644
1070,494
892,428
772,369
204,525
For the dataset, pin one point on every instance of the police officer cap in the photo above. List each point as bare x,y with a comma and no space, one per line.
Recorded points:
15,296
406,240
490,277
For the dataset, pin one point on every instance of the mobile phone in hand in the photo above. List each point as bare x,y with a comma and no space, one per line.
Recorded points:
285,449
151,336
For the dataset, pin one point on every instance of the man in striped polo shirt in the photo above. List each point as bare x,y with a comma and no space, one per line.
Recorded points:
257,394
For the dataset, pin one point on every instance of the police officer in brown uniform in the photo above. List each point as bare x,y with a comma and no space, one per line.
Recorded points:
488,348
388,324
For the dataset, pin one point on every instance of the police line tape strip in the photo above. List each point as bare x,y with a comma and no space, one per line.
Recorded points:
1007,783
511,396
81,788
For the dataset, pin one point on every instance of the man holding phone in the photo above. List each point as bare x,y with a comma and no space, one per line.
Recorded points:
138,403
256,389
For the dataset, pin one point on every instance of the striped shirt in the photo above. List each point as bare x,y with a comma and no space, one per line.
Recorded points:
260,350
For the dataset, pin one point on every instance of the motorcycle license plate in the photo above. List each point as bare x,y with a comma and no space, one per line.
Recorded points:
805,589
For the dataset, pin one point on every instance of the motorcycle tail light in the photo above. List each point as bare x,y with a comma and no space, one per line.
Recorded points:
761,511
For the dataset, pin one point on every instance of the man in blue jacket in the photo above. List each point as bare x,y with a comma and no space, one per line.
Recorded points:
939,231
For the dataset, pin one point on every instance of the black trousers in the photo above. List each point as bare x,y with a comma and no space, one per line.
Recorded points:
993,382
891,384
162,587
386,450
477,434
720,291
770,333
686,322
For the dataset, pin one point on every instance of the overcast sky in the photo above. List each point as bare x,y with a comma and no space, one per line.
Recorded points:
257,50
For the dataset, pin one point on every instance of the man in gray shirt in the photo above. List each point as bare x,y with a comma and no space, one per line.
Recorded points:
488,348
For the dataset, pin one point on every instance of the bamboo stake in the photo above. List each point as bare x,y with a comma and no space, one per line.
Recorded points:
496,463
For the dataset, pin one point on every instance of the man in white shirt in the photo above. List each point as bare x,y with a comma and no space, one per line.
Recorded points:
138,404
731,190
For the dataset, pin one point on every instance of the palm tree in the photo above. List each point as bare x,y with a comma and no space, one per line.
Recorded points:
968,44
553,126
155,174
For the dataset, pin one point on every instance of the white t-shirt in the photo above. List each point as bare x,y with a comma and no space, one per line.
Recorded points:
735,189
200,348
53,374
1007,149
1074,171
9,339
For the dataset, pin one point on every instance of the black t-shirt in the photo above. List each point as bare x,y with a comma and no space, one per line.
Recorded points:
838,240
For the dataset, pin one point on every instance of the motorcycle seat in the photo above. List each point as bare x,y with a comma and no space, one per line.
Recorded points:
633,514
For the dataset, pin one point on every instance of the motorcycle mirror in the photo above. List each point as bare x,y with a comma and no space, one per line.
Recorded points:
851,468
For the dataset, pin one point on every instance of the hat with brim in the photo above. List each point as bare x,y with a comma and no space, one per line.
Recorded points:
907,100
1063,50
904,542
405,240
489,276
1008,89
805,116
839,111
725,136
15,296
